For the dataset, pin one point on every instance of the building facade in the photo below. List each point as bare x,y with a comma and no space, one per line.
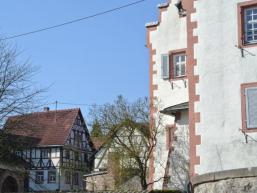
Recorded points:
60,150
167,43
221,68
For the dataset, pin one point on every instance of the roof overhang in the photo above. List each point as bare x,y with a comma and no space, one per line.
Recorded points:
172,110
95,174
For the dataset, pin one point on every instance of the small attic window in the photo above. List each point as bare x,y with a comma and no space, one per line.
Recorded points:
181,10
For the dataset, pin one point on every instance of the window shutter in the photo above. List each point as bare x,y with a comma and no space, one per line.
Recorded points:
165,66
251,107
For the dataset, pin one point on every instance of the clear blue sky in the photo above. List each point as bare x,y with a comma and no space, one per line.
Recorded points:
88,62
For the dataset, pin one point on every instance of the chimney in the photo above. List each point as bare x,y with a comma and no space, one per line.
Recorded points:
46,109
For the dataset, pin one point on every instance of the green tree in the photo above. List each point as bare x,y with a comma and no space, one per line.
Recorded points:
128,131
96,129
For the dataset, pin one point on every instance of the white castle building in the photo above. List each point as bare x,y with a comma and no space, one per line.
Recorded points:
204,52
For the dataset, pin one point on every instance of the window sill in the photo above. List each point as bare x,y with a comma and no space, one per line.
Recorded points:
248,130
179,78
249,45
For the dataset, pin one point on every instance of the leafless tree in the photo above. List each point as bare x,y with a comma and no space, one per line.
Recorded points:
126,126
17,93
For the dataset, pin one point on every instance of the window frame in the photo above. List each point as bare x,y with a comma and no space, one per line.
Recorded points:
241,7
67,177
244,108
76,179
172,63
48,177
175,64
45,153
41,181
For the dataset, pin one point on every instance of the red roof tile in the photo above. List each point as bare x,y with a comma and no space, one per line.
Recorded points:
48,128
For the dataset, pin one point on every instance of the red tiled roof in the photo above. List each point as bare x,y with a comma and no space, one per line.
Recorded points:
47,128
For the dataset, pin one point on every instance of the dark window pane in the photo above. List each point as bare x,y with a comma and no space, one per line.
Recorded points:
248,12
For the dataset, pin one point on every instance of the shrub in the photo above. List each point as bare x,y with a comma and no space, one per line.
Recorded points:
165,191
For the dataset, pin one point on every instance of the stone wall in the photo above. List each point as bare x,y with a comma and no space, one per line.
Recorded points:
106,182
11,181
100,182
236,181
238,185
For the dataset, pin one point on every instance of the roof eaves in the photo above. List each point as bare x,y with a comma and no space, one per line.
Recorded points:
175,108
163,5
152,24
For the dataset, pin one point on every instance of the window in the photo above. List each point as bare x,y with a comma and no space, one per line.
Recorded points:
85,157
173,65
45,153
67,154
179,61
67,177
78,138
76,178
18,153
165,66
249,106
51,176
250,25
39,177
76,156
247,23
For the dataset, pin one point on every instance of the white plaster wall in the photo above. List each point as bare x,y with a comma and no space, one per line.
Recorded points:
101,159
45,186
179,167
221,70
170,35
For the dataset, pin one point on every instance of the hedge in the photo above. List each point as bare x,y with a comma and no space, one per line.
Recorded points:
165,191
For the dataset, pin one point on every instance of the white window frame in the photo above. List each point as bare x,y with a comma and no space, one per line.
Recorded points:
179,64
252,23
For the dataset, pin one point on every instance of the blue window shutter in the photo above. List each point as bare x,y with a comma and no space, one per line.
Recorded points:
165,66
251,107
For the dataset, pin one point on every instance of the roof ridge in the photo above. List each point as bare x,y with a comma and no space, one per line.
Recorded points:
43,112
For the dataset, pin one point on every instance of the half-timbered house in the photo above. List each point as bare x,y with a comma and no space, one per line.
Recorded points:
60,152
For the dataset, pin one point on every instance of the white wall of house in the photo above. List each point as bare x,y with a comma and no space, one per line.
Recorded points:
45,186
221,70
101,159
170,35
